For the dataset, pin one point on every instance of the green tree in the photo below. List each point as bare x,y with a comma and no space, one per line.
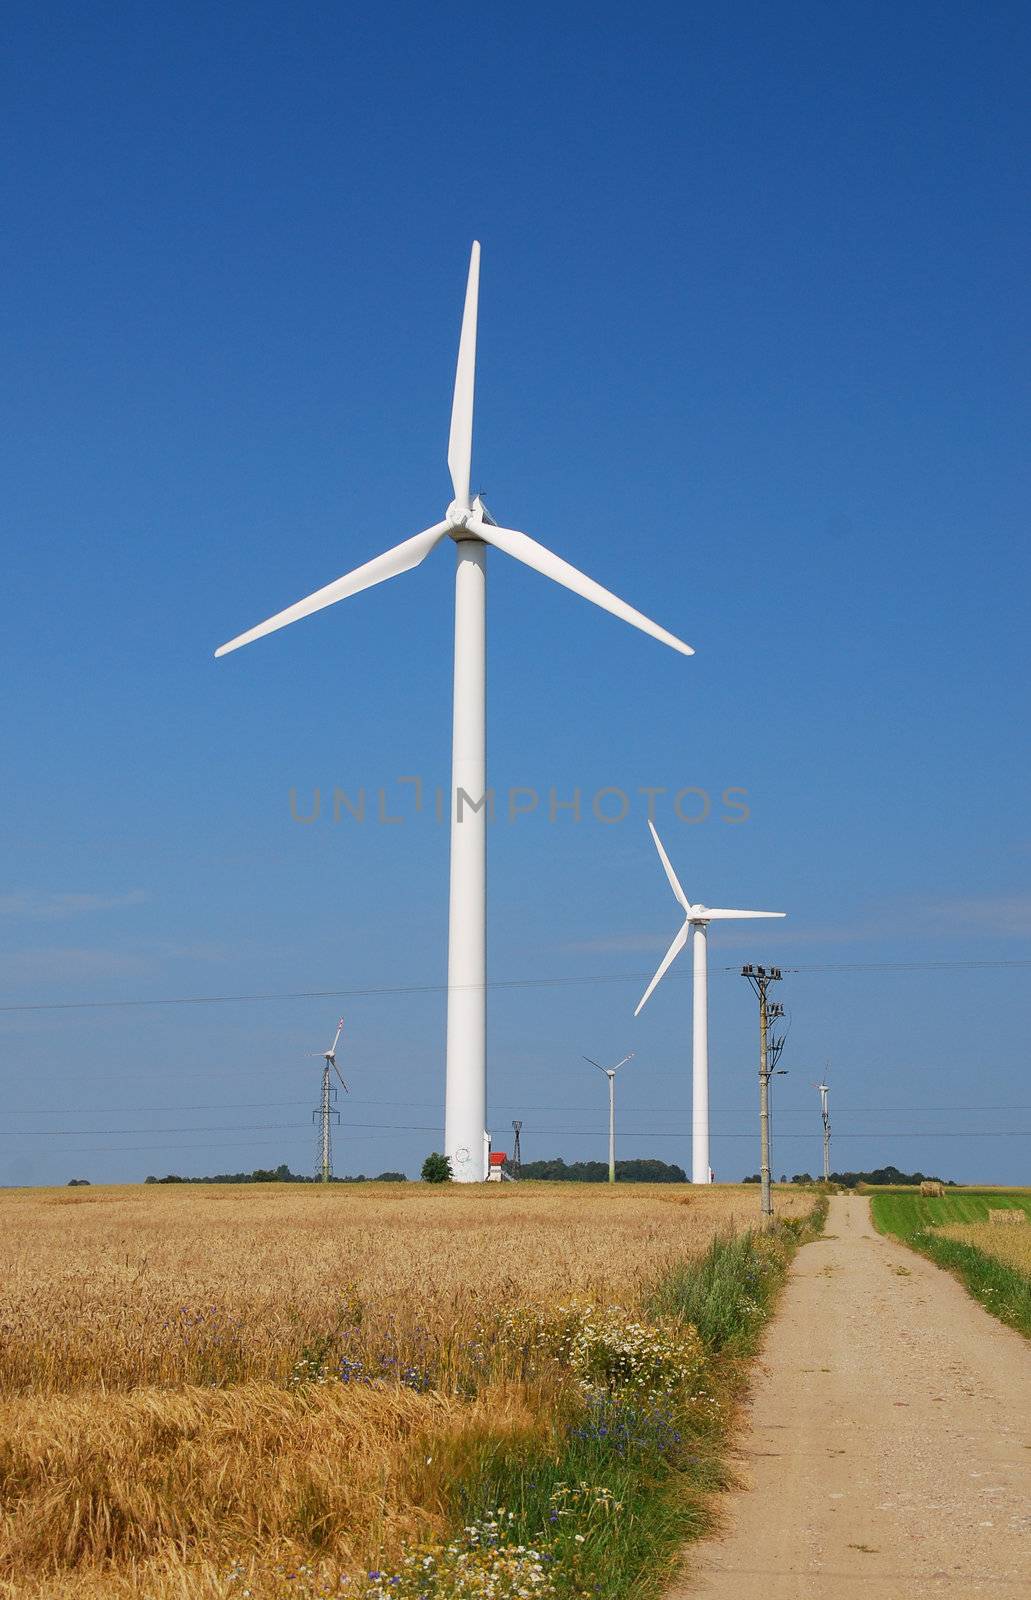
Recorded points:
641,1170
436,1169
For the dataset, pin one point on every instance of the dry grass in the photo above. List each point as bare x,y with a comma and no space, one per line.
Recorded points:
150,1432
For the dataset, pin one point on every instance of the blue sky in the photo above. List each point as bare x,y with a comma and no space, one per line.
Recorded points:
753,337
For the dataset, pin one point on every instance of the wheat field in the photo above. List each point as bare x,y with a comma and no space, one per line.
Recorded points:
1011,1246
202,1385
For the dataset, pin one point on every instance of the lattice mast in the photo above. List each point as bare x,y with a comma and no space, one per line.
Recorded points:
326,1113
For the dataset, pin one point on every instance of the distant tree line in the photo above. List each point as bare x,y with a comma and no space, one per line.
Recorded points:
877,1175
642,1171
280,1174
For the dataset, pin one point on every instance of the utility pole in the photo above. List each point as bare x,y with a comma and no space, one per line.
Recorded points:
824,1089
517,1154
324,1114
774,1048
760,978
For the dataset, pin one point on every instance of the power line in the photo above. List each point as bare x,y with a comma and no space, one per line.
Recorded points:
75,1133
129,1111
496,983
537,1133
500,1105
134,1149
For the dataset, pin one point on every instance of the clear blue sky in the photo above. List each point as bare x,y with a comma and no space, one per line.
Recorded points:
752,353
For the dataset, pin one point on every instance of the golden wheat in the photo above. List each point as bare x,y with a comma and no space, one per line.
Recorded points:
151,1432
1011,1246
167,1285
116,1480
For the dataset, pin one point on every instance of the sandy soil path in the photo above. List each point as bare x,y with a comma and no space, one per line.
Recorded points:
886,1451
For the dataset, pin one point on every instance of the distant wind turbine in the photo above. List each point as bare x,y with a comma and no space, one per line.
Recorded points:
326,1112
467,522
610,1073
696,919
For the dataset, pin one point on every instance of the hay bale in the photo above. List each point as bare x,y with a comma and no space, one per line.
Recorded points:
1011,1215
930,1186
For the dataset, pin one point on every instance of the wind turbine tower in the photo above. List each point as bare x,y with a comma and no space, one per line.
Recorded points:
472,529
326,1112
824,1089
696,922
610,1073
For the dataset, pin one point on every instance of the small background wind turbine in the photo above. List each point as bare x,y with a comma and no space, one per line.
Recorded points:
696,921
469,524
610,1073
326,1111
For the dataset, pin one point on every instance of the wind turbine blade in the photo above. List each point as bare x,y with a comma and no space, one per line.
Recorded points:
594,1063
674,881
389,565
460,441
336,1041
336,1069
667,961
624,1061
522,548
727,916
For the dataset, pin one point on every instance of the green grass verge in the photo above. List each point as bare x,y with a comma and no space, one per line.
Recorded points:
904,1211
621,1484
914,1219
727,1294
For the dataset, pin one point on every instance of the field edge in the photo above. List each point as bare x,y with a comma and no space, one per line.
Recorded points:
1000,1289
664,1499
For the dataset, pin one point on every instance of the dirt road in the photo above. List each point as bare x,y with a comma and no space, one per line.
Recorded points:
886,1453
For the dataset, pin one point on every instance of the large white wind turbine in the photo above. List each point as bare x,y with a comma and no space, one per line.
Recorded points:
470,525
696,919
